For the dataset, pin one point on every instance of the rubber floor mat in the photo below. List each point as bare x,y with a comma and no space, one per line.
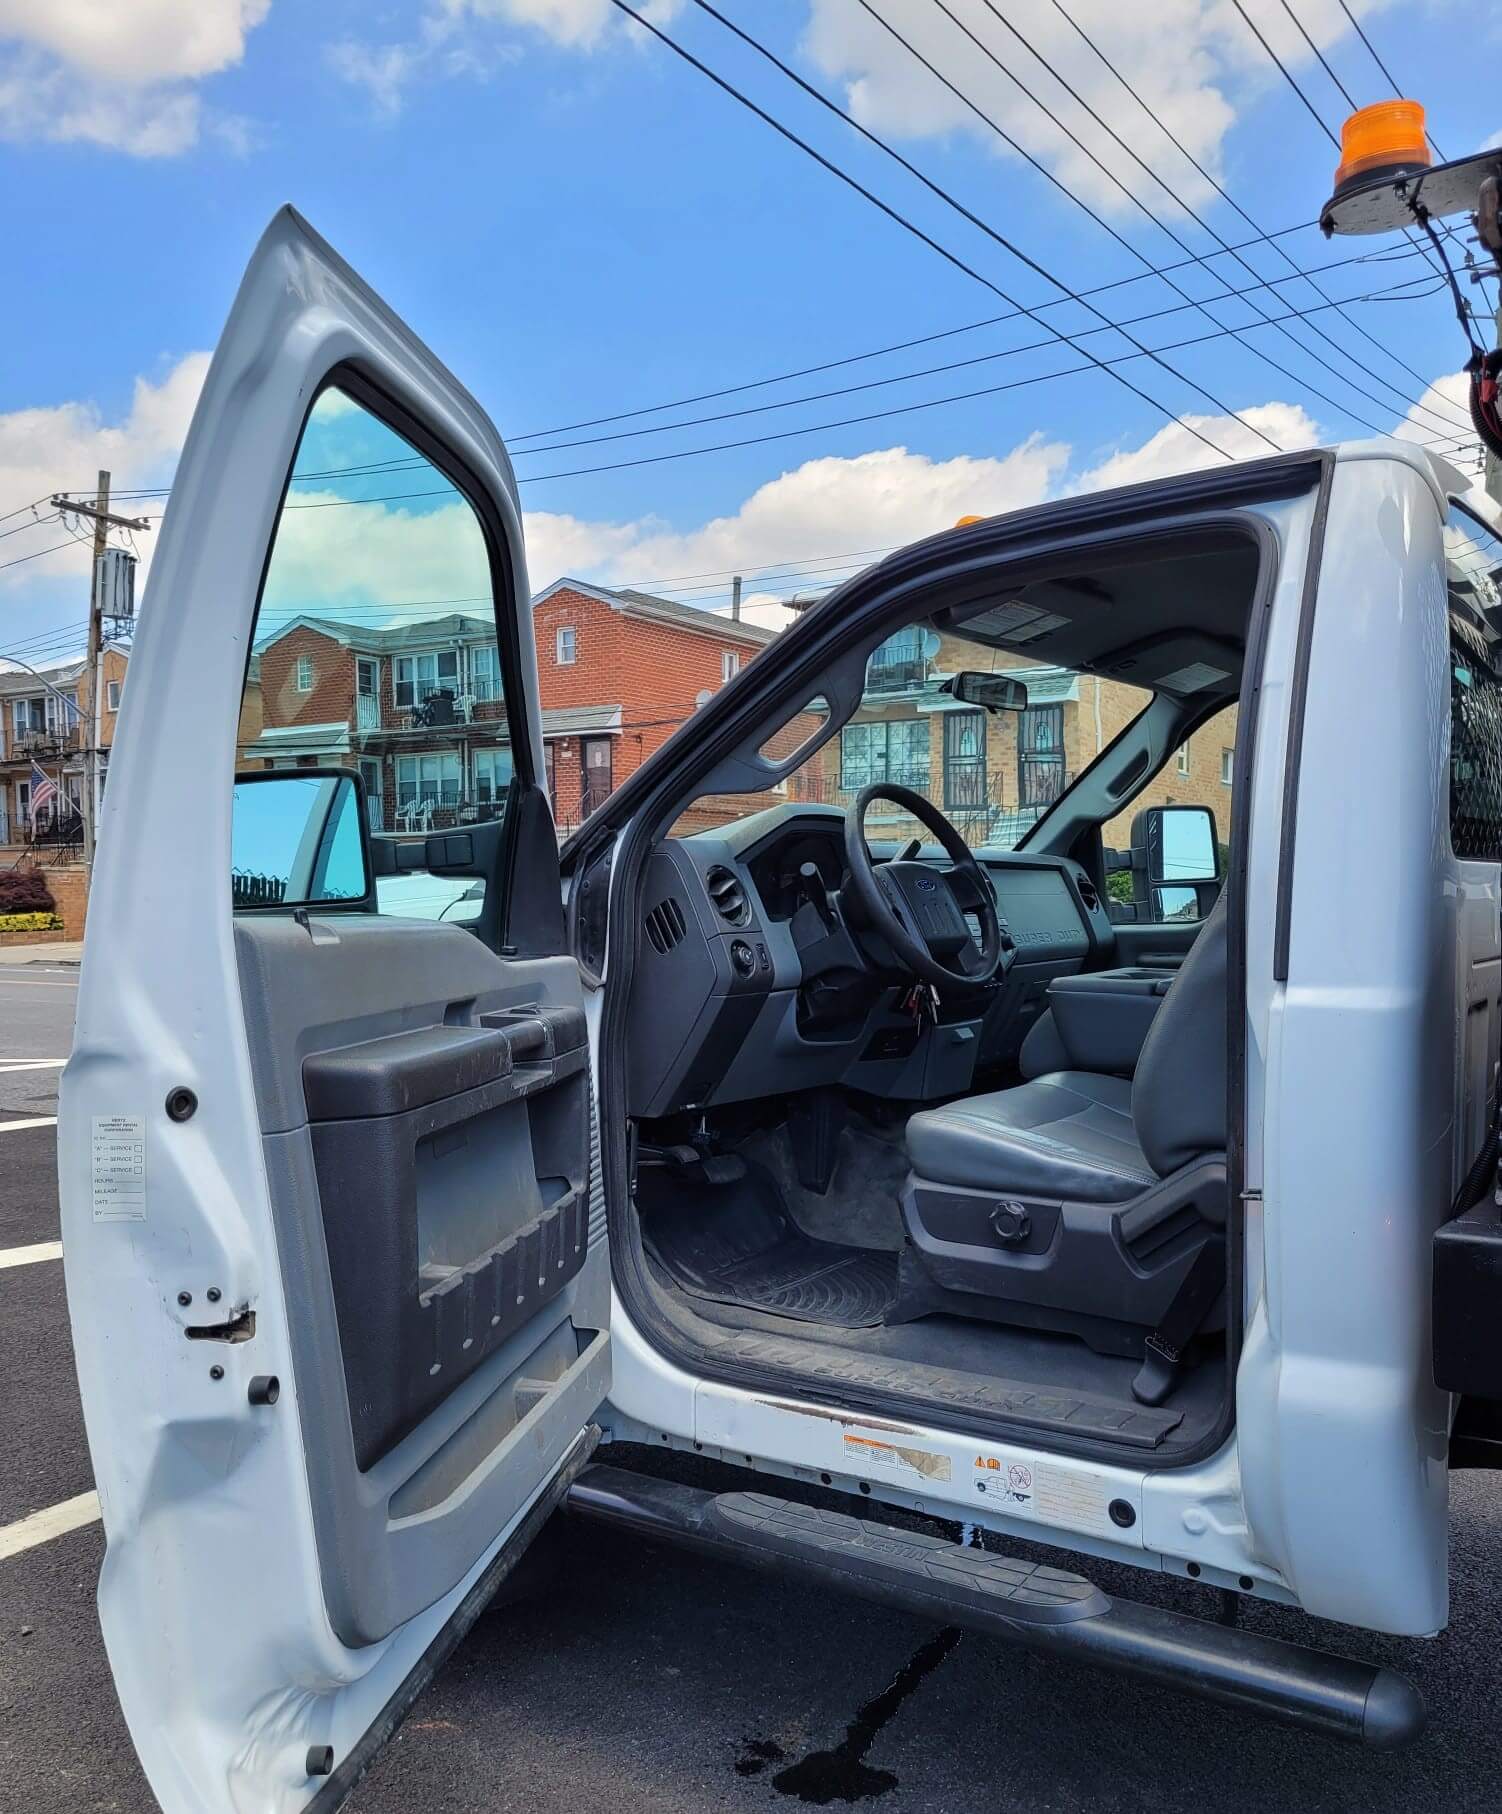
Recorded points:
736,1244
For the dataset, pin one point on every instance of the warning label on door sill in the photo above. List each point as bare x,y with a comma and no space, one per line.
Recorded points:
118,1160
1068,1497
867,1452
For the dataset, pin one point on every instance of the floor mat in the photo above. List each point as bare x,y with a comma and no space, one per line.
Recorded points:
736,1244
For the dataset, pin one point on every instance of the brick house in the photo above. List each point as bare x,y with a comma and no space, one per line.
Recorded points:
417,707
37,727
994,775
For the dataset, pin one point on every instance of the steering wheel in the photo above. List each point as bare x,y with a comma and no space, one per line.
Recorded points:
919,910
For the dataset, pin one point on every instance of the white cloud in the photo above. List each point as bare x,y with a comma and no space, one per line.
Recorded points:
60,447
836,505
1194,64
471,37
1177,447
116,75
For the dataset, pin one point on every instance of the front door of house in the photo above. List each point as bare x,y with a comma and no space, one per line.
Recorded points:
370,774
367,694
1040,755
596,772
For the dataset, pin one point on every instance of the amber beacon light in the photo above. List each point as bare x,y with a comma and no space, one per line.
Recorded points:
1383,140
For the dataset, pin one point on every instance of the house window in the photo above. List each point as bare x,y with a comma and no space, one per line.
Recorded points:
428,780
730,664
305,673
493,771
1040,755
1183,759
882,750
898,663
23,803
1227,763
567,645
965,759
112,694
547,755
485,671
417,676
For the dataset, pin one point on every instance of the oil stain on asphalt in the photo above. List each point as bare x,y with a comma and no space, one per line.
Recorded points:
843,1773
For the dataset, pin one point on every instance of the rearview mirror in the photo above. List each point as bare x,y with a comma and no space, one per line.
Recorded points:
991,692
299,839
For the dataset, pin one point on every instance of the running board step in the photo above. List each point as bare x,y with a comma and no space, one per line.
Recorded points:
1042,1608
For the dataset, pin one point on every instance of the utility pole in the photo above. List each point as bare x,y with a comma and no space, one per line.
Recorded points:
92,717
735,599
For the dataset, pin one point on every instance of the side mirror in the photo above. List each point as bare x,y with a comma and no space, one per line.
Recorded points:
299,838
991,692
1175,861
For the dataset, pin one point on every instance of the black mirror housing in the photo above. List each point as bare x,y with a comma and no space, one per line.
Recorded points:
991,692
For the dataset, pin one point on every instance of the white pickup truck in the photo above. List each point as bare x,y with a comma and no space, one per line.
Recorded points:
826,1109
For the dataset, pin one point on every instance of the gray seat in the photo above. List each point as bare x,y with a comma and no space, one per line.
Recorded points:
1078,1200
1069,1134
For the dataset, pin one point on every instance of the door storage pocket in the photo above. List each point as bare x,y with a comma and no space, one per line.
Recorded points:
451,1214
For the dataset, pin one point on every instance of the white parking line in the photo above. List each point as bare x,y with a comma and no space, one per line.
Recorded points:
32,1064
42,1527
28,1256
30,982
14,1127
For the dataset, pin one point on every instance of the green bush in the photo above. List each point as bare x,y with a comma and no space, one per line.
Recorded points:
30,922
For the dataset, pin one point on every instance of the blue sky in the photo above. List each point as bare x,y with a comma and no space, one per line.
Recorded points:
582,225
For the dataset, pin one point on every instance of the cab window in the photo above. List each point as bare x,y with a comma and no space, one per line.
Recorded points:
1473,575
375,654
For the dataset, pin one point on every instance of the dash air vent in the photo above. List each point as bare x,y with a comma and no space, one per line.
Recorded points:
1087,893
666,925
728,894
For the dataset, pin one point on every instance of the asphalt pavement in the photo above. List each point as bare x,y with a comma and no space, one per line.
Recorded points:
638,1678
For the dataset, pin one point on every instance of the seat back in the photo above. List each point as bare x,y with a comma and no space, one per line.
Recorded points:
1179,1088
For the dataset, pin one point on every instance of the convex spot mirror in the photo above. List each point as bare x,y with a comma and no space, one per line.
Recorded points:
299,839
991,692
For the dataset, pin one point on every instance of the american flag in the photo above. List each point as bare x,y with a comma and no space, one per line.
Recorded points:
43,790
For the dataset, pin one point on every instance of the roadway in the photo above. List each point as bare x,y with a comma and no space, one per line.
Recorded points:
646,1680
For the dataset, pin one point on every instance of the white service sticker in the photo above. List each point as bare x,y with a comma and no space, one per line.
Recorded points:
119,1168
896,1457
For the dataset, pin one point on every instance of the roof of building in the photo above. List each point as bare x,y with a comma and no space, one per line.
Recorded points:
649,606
459,626
28,680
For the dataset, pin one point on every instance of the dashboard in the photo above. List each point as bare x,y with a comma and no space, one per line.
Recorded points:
748,985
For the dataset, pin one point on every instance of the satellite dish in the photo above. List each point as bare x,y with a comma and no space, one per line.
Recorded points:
930,644
703,697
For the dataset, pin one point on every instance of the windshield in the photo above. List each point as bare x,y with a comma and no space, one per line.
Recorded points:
992,773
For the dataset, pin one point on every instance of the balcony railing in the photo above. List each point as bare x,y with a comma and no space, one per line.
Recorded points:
898,672
57,741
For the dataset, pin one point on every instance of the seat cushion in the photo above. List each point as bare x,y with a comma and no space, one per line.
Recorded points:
1066,1136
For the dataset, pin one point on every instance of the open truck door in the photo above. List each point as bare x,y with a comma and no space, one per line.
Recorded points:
338,1300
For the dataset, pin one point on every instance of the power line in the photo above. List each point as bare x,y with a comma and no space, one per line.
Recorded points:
1203,305
1027,346
1387,74
916,231
1287,334
1311,109
1309,277
37,554
970,327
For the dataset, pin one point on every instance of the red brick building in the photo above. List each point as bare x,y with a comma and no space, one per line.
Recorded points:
417,707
